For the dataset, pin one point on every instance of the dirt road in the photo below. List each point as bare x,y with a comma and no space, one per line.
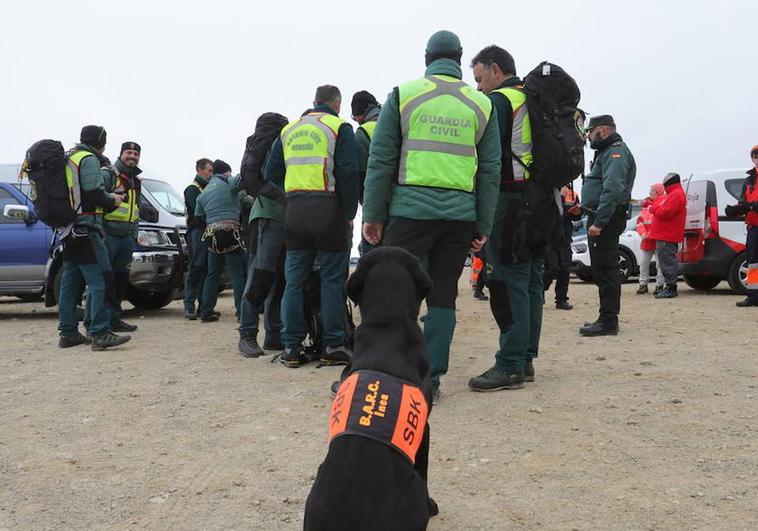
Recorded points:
656,428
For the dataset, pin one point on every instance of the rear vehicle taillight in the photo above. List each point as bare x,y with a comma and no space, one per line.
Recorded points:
712,228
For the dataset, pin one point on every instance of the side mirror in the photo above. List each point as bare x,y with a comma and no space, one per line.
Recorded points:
19,212
148,213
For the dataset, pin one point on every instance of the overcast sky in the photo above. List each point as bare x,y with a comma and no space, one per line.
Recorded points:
187,79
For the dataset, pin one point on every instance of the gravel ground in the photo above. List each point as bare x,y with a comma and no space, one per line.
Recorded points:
653,429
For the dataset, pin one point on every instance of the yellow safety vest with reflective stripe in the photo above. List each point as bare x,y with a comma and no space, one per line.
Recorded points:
521,133
442,119
308,146
128,210
369,127
73,162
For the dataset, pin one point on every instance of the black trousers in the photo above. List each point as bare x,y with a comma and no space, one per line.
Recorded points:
444,244
604,256
558,269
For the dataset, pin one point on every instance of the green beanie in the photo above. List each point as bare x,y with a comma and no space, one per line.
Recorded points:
443,42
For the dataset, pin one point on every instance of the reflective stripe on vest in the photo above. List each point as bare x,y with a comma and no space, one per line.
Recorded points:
521,132
128,210
73,162
751,196
308,146
368,128
752,276
442,119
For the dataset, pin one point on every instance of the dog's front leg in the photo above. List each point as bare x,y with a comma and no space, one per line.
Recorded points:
422,467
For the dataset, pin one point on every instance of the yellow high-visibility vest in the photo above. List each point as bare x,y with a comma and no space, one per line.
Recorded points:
442,119
308,146
521,132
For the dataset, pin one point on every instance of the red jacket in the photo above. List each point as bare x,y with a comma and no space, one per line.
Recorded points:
669,215
645,221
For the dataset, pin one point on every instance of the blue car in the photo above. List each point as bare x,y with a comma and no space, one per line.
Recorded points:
24,242
30,262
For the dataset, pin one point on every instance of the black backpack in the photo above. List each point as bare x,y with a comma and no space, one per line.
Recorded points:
45,165
558,137
267,128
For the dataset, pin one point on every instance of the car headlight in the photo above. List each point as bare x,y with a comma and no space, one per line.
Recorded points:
579,247
152,238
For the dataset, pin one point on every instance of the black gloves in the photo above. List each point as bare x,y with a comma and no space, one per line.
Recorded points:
740,209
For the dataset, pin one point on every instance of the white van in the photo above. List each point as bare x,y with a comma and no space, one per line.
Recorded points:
714,244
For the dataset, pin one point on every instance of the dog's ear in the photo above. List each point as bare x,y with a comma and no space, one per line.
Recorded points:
420,277
356,281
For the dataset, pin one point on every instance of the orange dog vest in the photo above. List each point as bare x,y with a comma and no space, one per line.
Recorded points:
380,407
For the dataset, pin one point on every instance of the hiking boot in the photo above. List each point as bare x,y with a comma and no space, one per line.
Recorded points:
657,290
642,289
121,326
72,341
190,315
669,292
107,340
528,371
495,379
599,328
340,355
292,357
272,342
563,305
741,304
479,295
249,348
212,318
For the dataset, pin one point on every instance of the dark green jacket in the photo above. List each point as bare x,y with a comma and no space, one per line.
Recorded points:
363,143
345,172
610,180
190,201
93,190
122,228
383,197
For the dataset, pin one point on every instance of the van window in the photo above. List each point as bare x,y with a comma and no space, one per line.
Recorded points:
734,187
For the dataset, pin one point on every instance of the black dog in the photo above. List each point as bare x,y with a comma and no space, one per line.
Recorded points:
367,482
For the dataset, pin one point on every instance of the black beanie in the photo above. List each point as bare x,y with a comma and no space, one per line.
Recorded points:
93,135
671,178
220,167
134,146
362,100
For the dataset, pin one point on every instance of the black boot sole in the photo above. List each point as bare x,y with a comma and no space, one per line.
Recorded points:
508,387
601,333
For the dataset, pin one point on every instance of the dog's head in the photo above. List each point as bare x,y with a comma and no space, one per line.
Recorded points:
390,278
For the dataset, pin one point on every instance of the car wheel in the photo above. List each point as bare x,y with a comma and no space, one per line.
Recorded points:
738,274
149,300
626,265
701,282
